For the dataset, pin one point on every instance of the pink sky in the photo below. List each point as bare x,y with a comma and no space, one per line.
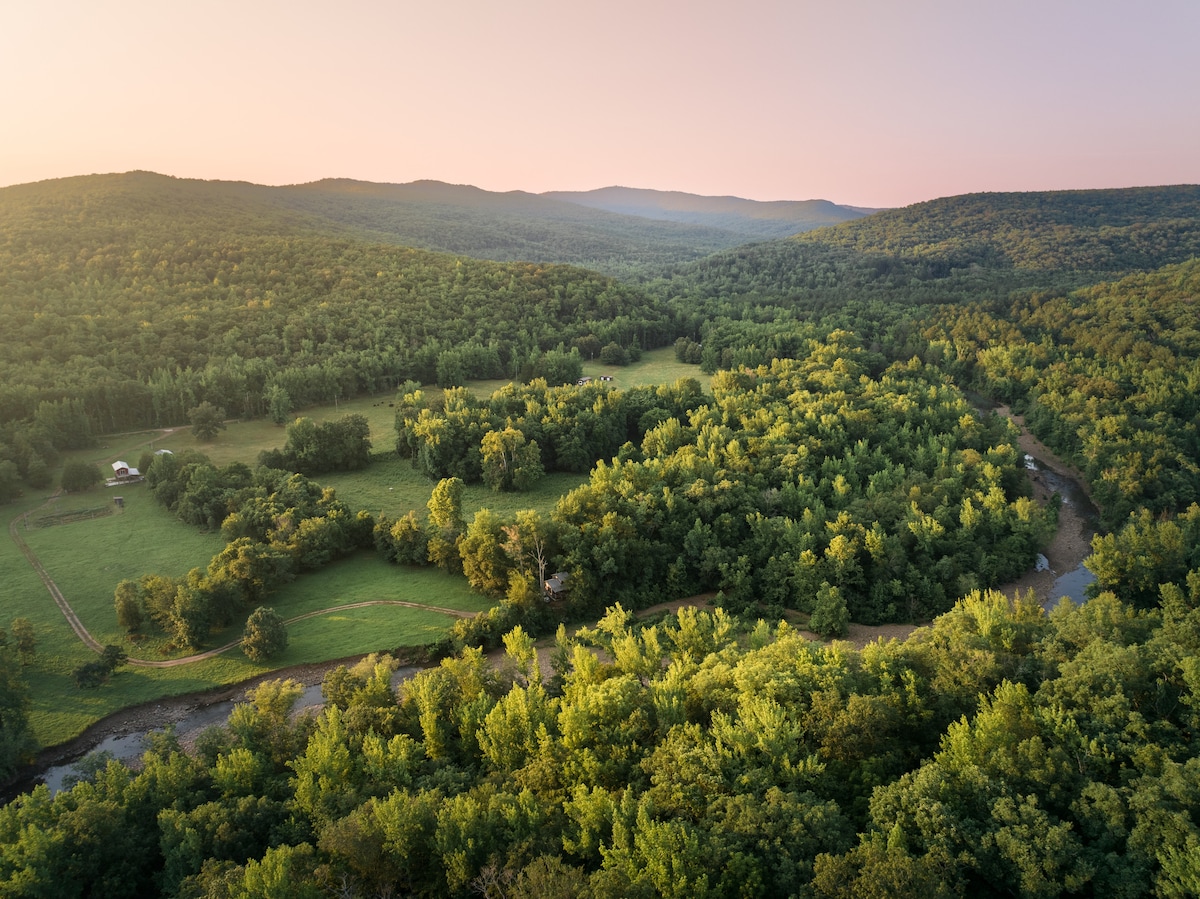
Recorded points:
864,102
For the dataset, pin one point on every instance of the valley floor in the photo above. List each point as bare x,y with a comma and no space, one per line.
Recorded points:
1071,545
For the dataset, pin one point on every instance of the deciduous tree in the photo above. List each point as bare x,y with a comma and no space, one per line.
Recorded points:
80,476
265,635
207,420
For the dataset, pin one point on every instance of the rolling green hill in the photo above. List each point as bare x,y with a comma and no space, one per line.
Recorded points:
110,285
1105,231
957,249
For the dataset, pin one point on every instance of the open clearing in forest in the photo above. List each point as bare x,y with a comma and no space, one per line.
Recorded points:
655,367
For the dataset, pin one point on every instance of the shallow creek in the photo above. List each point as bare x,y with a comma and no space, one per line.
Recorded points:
1078,513
130,747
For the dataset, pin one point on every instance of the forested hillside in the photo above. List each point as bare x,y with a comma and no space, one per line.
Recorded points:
125,301
1109,376
975,247
1092,230
513,226
1020,296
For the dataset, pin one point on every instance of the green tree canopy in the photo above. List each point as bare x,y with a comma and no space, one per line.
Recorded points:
207,420
265,636
80,476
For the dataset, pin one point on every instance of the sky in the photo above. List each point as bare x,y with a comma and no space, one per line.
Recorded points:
863,102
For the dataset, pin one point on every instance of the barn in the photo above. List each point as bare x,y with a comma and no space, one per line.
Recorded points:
123,473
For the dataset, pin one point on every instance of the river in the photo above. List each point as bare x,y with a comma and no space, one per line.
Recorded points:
130,747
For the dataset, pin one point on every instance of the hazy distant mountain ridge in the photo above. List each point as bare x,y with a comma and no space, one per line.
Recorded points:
430,215
754,218
504,227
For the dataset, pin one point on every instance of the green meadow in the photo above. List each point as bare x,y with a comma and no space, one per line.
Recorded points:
393,487
655,367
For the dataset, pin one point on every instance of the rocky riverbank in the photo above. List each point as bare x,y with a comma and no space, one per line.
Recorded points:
1072,542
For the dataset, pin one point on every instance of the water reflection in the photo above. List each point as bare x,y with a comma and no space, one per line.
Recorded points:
1073,584
130,747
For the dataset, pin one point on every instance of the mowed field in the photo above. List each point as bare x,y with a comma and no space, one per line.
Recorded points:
87,557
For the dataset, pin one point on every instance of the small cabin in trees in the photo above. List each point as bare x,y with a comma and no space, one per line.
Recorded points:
554,587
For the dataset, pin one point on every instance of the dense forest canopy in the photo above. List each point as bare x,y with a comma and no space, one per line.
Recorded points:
842,465
1077,308
1108,375
998,752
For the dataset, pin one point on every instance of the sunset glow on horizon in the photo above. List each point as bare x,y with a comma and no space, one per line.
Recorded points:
870,104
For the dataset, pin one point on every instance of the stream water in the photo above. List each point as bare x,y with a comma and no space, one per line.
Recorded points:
1070,584
130,747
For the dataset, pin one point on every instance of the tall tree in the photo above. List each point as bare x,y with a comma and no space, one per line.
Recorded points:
80,476
510,462
207,420
16,739
483,559
446,524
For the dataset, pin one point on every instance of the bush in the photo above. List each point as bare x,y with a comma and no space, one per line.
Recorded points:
614,354
90,675
80,476
93,674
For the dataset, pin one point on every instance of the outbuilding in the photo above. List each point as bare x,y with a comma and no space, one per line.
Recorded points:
555,586
123,474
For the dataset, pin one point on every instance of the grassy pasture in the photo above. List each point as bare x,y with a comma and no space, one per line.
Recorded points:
654,368
338,633
365,577
88,558
242,441
392,486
